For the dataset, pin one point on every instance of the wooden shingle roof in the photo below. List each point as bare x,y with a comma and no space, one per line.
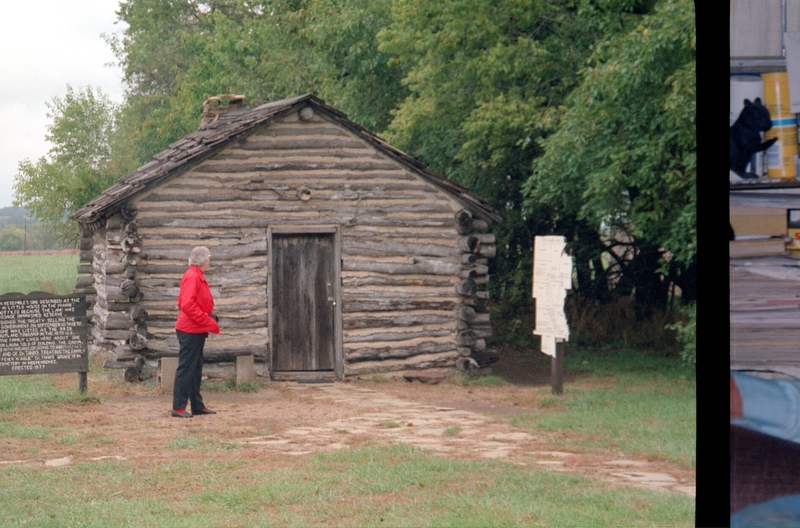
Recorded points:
209,139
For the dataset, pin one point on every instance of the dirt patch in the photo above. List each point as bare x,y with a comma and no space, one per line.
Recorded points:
286,419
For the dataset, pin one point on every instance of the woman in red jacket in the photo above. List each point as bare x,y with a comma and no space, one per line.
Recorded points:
195,321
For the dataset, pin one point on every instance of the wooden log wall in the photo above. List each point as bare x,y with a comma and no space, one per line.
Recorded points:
110,253
414,272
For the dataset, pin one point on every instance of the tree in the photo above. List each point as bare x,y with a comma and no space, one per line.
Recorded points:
176,54
74,171
485,81
623,156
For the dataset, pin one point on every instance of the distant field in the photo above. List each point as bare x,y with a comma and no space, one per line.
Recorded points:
54,272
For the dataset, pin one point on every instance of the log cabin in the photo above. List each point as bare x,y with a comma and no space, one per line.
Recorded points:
333,254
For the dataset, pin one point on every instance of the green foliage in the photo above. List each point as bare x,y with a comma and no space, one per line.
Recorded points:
176,54
622,158
75,168
687,333
571,117
11,242
357,75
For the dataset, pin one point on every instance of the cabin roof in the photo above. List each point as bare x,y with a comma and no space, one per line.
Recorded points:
210,138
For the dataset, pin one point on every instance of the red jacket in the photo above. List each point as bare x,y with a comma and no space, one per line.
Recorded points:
195,304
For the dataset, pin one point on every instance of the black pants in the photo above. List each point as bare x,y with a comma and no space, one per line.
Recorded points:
190,370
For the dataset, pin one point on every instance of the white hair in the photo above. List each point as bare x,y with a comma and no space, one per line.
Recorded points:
199,256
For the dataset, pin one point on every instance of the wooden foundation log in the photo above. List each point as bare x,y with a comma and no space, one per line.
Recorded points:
181,253
131,374
138,315
463,222
474,271
264,222
113,268
128,211
114,222
227,355
383,280
466,364
137,341
465,338
84,281
372,354
131,244
389,305
465,313
488,251
482,331
466,288
89,291
421,267
115,321
480,318
479,225
469,244
129,288
122,304
372,321
395,248
86,243
396,336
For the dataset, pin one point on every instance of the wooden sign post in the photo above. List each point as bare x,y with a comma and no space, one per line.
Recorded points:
552,276
42,333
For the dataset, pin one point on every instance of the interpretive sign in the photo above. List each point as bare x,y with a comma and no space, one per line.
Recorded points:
42,333
552,276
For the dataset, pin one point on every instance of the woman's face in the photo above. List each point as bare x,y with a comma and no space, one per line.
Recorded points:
204,267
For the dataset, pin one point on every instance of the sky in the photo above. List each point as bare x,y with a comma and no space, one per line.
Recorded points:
47,45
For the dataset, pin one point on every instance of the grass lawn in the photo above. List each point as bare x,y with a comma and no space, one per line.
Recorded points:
48,273
369,486
639,402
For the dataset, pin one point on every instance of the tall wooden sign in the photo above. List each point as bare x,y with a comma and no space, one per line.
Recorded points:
552,277
42,333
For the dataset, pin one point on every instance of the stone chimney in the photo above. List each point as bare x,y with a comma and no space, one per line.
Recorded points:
218,105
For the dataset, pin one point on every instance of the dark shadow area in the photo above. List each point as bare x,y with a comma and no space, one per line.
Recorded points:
527,367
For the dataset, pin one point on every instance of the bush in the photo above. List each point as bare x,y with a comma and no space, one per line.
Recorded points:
10,242
687,333
616,323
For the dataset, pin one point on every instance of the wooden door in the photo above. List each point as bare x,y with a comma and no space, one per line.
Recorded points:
303,302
